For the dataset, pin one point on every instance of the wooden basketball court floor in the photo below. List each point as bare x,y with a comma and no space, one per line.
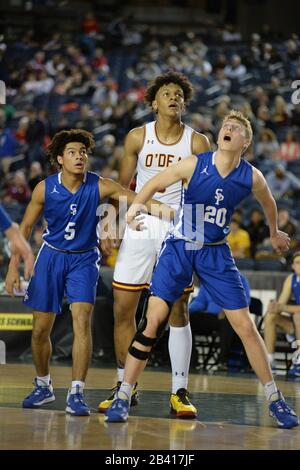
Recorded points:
232,411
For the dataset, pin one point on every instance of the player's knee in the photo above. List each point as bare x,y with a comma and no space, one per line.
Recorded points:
122,316
123,313
81,325
148,333
270,318
179,315
40,334
247,329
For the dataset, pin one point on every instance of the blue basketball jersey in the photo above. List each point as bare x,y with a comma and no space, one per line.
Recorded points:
209,201
72,218
296,288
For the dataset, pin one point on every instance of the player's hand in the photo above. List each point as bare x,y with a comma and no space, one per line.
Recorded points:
138,223
107,245
12,280
135,217
280,241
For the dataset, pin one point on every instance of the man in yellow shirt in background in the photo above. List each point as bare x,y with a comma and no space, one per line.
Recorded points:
239,240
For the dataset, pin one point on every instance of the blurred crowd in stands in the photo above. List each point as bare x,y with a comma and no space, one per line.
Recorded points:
96,80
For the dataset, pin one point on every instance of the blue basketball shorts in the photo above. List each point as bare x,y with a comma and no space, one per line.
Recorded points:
214,266
57,274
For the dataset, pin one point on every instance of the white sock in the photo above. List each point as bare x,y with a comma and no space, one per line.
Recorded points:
120,374
270,358
271,391
44,381
180,349
74,386
125,391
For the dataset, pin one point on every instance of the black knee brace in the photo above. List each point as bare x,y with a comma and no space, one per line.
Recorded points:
139,337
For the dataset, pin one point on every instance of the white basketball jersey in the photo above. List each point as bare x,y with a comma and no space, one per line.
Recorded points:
156,156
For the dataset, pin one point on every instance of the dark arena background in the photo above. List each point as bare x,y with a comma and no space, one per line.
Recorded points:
86,64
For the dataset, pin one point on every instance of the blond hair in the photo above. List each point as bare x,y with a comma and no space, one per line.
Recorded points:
295,255
240,117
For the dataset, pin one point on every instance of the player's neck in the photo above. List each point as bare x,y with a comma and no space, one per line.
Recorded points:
70,181
168,130
226,161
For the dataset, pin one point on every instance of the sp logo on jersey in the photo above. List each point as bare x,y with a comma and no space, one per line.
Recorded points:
73,209
219,196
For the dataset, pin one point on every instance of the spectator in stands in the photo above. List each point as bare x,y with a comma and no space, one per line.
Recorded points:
239,240
260,98
284,313
104,153
90,25
221,80
290,148
270,55
238,215
18,189
35,136
206,317
282,183
236,69
280,115
267,145
257,229
35,175
285,223
264,119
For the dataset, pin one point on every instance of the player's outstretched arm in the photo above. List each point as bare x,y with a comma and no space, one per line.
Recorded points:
280,240
113,190
32,214
181,171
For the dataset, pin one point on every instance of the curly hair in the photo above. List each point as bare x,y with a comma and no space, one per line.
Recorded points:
165,79
62,138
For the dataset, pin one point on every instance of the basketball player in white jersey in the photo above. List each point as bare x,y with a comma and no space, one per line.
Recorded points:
149,150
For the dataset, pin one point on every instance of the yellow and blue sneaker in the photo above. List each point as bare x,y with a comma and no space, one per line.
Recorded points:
102,407
181,405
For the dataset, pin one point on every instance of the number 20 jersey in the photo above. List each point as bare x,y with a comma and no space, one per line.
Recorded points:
208,202
71,218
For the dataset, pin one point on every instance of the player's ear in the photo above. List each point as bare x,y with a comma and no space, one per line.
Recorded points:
246,145
60,159
154,105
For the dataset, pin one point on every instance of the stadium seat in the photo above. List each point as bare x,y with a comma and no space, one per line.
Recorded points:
269,265
245,264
